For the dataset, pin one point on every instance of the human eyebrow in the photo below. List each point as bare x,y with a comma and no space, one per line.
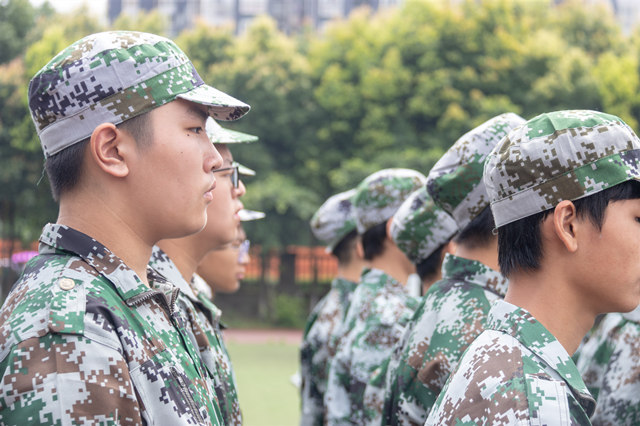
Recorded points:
197,112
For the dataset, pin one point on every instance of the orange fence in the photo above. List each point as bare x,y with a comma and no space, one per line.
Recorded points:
312,264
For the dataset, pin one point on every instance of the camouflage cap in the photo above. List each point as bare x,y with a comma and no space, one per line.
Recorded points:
218,134
334,219
380,194
419,226
562,155
455,182
111,77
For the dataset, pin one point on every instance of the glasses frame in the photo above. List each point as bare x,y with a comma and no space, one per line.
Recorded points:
235,176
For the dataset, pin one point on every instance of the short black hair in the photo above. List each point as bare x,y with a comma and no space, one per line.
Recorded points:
431,265
479,232
64,168
520,242
343,251
373,241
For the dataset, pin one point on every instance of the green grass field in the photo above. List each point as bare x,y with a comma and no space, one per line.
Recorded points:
267,396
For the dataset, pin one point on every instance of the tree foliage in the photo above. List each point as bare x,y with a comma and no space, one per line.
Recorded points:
392,89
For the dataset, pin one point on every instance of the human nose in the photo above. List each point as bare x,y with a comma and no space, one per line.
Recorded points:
241,189
213,159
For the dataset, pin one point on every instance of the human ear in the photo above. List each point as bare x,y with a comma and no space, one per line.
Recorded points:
108,148
565,225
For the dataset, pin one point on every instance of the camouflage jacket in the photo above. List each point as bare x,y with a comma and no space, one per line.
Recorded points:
515,372
451,315
204,324
610,367
316,351
380,309
84,340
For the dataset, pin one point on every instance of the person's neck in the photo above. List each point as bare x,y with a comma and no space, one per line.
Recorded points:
94,217
549,299
393,263
184,255
487,254
350,271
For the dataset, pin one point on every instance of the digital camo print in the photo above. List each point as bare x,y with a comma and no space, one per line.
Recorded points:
317,349
218,134
111,77
419,227
562,155
455,182
84,341
203,328
515,372
334,219
610,367
380,194
380,309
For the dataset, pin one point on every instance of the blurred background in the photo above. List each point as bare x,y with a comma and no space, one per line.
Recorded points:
338,89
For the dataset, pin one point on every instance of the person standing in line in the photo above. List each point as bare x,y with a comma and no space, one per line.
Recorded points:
454,310
333,223
565,196
89,334
178,259
423,232
380,305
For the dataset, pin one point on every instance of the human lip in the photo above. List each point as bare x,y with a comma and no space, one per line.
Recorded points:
208,196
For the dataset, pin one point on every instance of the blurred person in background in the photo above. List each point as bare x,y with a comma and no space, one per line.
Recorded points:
334,224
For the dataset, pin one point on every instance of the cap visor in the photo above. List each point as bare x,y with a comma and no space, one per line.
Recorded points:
221,106
247,215
244,170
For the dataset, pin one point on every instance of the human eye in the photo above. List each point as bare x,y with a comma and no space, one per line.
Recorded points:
197,130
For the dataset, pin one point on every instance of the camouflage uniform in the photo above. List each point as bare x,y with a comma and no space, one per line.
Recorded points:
515,372
453,311
84,340
330,224
205,332
418,228
318,348
450,316
380,306
610,365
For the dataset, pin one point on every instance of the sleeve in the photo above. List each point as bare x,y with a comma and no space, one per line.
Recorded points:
66,379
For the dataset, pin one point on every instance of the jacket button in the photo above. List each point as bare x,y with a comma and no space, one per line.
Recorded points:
66,283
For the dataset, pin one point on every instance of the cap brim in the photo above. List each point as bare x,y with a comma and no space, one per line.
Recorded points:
247,215
221,106
244,170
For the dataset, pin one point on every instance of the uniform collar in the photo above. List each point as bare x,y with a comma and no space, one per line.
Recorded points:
378,278
520,324
126,282
633,316
341,284
163,264
471,271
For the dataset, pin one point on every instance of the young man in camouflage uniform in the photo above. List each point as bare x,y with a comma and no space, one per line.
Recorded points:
335,224
453,311
423,232
566,201
610,364
89,334
380,305
178,259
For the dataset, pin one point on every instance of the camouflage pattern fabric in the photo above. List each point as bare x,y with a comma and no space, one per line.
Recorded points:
568,155
420,227
455,181
334,219
317,349
84,341
515,372
610,367
218,134
380,194
380,309
111,77
450,316
204,330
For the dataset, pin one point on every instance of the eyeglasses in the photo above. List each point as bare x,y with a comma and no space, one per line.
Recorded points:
235,179
243,250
